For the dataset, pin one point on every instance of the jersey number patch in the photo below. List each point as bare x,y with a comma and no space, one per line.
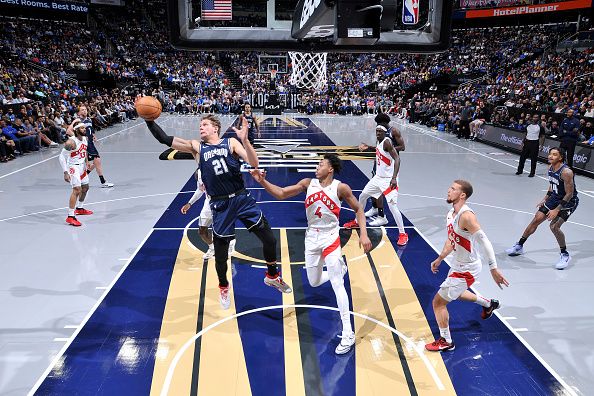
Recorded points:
318,212
220,166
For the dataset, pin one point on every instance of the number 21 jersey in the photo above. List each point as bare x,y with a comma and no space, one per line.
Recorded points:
220,170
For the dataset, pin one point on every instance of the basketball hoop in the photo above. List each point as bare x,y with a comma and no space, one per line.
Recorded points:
308,70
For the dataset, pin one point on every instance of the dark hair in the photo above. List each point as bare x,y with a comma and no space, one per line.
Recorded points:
382,118
335,162
561,152
466,187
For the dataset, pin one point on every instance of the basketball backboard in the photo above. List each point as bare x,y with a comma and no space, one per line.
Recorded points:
411,26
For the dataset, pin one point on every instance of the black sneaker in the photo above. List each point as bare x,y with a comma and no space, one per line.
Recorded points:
518,173
531,175
488,312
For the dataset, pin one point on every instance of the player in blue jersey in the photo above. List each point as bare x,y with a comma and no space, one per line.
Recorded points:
559,203
253,126
219,163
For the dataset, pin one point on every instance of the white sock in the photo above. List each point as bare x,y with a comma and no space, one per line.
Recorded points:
71,212
79,204
397,216
483,302
211,246
445,333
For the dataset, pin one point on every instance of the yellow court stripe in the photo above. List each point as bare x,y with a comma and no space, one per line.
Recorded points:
409,318
222,344
295,385
378,367
222,362
179,321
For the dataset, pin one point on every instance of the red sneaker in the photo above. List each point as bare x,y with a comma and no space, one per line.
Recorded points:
440,345
402,239
488,312
73,222
351,224
82,212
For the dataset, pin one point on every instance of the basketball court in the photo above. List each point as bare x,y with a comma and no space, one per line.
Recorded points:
126,305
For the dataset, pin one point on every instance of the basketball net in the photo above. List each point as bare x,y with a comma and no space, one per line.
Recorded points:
308,70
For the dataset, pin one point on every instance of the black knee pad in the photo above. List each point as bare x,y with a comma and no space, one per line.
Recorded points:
265,235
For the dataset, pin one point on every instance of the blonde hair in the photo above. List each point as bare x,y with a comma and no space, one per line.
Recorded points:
213,120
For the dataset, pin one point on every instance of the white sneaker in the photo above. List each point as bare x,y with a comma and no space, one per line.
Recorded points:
563,261
345,344
53,144
379,221
224,297
106,185
278,283
231,247
209,253
515,250
371,212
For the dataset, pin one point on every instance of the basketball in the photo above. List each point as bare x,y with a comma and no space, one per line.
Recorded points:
148,108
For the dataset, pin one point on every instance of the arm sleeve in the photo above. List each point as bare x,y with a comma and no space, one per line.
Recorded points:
485,247
62,158
197,195
159,133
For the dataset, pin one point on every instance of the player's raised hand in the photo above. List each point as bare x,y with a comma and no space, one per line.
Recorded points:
242,132
365,243
363,147
498,278
258,174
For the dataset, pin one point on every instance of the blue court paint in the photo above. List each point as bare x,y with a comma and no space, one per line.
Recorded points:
261,333
488,358
114,354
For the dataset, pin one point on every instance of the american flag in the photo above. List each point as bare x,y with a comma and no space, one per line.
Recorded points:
216,10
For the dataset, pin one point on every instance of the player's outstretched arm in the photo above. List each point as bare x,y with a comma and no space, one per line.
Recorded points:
469,222
174,142
245,150
346,194
276,191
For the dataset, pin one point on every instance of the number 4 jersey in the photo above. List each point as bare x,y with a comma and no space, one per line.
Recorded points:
322,206
220,170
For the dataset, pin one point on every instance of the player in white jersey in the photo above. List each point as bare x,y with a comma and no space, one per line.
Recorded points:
205,218
322,240
465,237
384,182
73,160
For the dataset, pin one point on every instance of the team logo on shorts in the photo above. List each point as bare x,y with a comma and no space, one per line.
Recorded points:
410,12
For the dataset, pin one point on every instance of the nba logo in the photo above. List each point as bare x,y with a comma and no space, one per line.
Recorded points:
410,12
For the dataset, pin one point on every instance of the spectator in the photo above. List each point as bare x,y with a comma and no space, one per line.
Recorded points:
569,135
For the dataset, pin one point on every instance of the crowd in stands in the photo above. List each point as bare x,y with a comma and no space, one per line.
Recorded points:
520,70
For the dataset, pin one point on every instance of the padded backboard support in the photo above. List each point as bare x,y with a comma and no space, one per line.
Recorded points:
418,26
